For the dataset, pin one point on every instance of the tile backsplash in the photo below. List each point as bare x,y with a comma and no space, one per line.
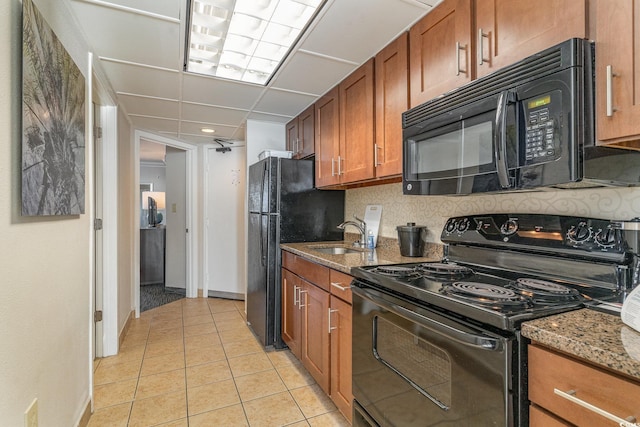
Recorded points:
433,211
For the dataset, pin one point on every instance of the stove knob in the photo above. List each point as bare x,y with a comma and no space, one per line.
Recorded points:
580,233
463,225
606,238
450,227
509,227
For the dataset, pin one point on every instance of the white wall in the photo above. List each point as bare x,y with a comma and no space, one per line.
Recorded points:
44,262
127,199
176,244
262,136
226,183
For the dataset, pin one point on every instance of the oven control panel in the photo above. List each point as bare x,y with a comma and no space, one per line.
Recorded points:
537,232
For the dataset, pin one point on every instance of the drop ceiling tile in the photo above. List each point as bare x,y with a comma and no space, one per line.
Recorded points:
264,117
130,37
356,30
286,103
154,125
143,81
150,106
213,91
170,8
213,115
194,128
311,74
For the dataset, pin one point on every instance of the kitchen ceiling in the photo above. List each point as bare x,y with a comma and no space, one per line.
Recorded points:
140,46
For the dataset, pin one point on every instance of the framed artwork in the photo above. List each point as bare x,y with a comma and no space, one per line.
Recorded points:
53,122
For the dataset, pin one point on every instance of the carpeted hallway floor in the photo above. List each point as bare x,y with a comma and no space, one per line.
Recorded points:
152,296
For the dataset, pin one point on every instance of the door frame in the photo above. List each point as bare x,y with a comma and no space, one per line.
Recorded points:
191,202
107,284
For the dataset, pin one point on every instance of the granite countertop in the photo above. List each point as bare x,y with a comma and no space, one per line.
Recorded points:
387,252
597,337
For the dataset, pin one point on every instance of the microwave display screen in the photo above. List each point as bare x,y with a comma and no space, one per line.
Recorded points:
539,102
464,149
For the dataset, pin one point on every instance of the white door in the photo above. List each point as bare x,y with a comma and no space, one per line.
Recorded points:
225,218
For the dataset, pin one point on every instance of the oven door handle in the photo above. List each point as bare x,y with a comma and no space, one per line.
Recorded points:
474,340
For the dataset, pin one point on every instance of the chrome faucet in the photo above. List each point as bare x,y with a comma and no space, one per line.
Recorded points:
362,228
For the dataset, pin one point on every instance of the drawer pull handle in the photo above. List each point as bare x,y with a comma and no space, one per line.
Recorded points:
570,396
300,305
342,288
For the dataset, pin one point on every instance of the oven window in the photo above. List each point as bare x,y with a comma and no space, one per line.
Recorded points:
425,366
461,149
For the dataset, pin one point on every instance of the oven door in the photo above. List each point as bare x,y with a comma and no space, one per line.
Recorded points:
414,367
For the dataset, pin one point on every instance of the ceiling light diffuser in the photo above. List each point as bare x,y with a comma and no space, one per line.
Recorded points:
245,40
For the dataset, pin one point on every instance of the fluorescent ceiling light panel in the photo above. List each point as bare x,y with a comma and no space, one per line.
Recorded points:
245,40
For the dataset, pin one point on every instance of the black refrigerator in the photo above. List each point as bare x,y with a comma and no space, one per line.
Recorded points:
284,207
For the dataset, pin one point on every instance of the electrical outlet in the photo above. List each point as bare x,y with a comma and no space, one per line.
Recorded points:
31,414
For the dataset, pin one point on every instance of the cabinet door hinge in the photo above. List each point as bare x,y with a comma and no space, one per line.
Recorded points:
97,224
97,316
98,132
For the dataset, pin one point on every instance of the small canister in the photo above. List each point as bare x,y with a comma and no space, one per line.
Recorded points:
411,238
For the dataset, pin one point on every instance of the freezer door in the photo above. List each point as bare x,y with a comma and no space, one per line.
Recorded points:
258,192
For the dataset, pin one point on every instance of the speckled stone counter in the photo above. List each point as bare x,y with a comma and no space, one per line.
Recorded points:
387,252
597,337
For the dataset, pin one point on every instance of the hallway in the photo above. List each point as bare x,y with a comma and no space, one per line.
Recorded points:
195,363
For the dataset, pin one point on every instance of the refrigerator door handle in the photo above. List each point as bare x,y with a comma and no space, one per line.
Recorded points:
263,256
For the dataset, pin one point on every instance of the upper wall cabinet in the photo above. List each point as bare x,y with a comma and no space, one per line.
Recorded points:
357,125
301,134
327,141
392,99
618,72
509,30
440,50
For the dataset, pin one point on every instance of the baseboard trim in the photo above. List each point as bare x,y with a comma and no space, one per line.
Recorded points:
86,416
124,330
226,295
178,291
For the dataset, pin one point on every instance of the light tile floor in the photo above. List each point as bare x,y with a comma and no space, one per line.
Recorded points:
194,362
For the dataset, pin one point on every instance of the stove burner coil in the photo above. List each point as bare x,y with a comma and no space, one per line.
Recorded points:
486,294
444,269
395,271
537,285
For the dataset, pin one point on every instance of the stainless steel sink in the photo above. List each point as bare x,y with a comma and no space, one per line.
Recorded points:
336,250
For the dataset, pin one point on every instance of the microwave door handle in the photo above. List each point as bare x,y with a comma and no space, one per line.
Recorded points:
500,139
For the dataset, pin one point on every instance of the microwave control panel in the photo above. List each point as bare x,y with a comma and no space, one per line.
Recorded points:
541,118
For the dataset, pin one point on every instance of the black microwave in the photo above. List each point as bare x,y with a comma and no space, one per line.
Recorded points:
526,126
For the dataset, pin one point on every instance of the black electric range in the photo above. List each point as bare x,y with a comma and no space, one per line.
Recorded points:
502,269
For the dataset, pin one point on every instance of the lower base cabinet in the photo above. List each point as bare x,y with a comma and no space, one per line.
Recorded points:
316,325
569,392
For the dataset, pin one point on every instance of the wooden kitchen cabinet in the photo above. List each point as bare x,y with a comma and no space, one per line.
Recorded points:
316,324
345,130
315,333
291,333
392,99
550,371
300,134
355,159
617,67
327,140
340,328
507,31
440,47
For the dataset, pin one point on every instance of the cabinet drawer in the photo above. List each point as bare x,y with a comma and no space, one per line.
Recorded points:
310,271
541,418
549,371
289,260
340,285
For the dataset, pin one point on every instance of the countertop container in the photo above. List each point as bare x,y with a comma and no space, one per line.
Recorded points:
411,238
